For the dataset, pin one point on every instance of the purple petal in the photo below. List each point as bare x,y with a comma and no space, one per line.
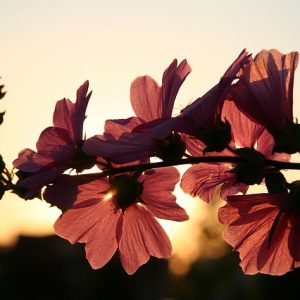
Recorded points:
38,180
27,161
56,144
202,112
119,151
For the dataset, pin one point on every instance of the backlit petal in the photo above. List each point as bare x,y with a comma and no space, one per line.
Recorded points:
116,128
55,143
28,161
142,237
265,91
119,151
249,220
158,187
39,179
94,225
145,98
202,180
70,116
245,132
149,101
67,189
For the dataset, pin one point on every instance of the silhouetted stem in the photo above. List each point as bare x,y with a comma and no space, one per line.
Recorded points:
283,164
195,160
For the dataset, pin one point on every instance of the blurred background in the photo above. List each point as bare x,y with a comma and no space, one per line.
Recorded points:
48,49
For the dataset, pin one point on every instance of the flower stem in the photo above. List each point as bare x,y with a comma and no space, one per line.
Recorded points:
283,164
194,160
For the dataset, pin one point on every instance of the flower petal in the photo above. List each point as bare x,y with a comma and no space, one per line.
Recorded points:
119,151
82,100
116,128
149,101
39,179
94,225
249,220
130,146
145,98
202,112
245,132
70,116
238,65
202,180
265,145
157,196
141,237
193,145
172,80
55,143
265,90
62,117
293,242
28,161
67,189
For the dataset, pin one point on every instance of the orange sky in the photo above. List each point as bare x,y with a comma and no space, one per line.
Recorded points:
48,48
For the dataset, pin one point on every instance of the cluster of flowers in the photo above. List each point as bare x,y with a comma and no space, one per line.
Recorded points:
240,133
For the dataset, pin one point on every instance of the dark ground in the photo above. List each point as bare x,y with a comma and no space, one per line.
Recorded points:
50,268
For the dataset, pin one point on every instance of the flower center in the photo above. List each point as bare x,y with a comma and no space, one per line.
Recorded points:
287,139
82,161
126,190
171,148
216,138
252,171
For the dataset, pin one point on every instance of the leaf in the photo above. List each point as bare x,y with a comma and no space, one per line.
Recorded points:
2,164
2,189
1,117
2,94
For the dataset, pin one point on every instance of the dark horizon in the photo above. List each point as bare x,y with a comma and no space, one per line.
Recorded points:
51,268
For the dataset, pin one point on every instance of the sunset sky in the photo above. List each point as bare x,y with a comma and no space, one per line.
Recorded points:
50,47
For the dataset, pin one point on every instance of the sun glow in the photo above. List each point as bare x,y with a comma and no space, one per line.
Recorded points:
200,237
19,217
108,196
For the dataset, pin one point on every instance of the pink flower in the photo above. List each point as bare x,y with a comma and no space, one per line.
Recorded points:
119,213
265,89
265,93
249,140
58,147
202,118
264,229
142,136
